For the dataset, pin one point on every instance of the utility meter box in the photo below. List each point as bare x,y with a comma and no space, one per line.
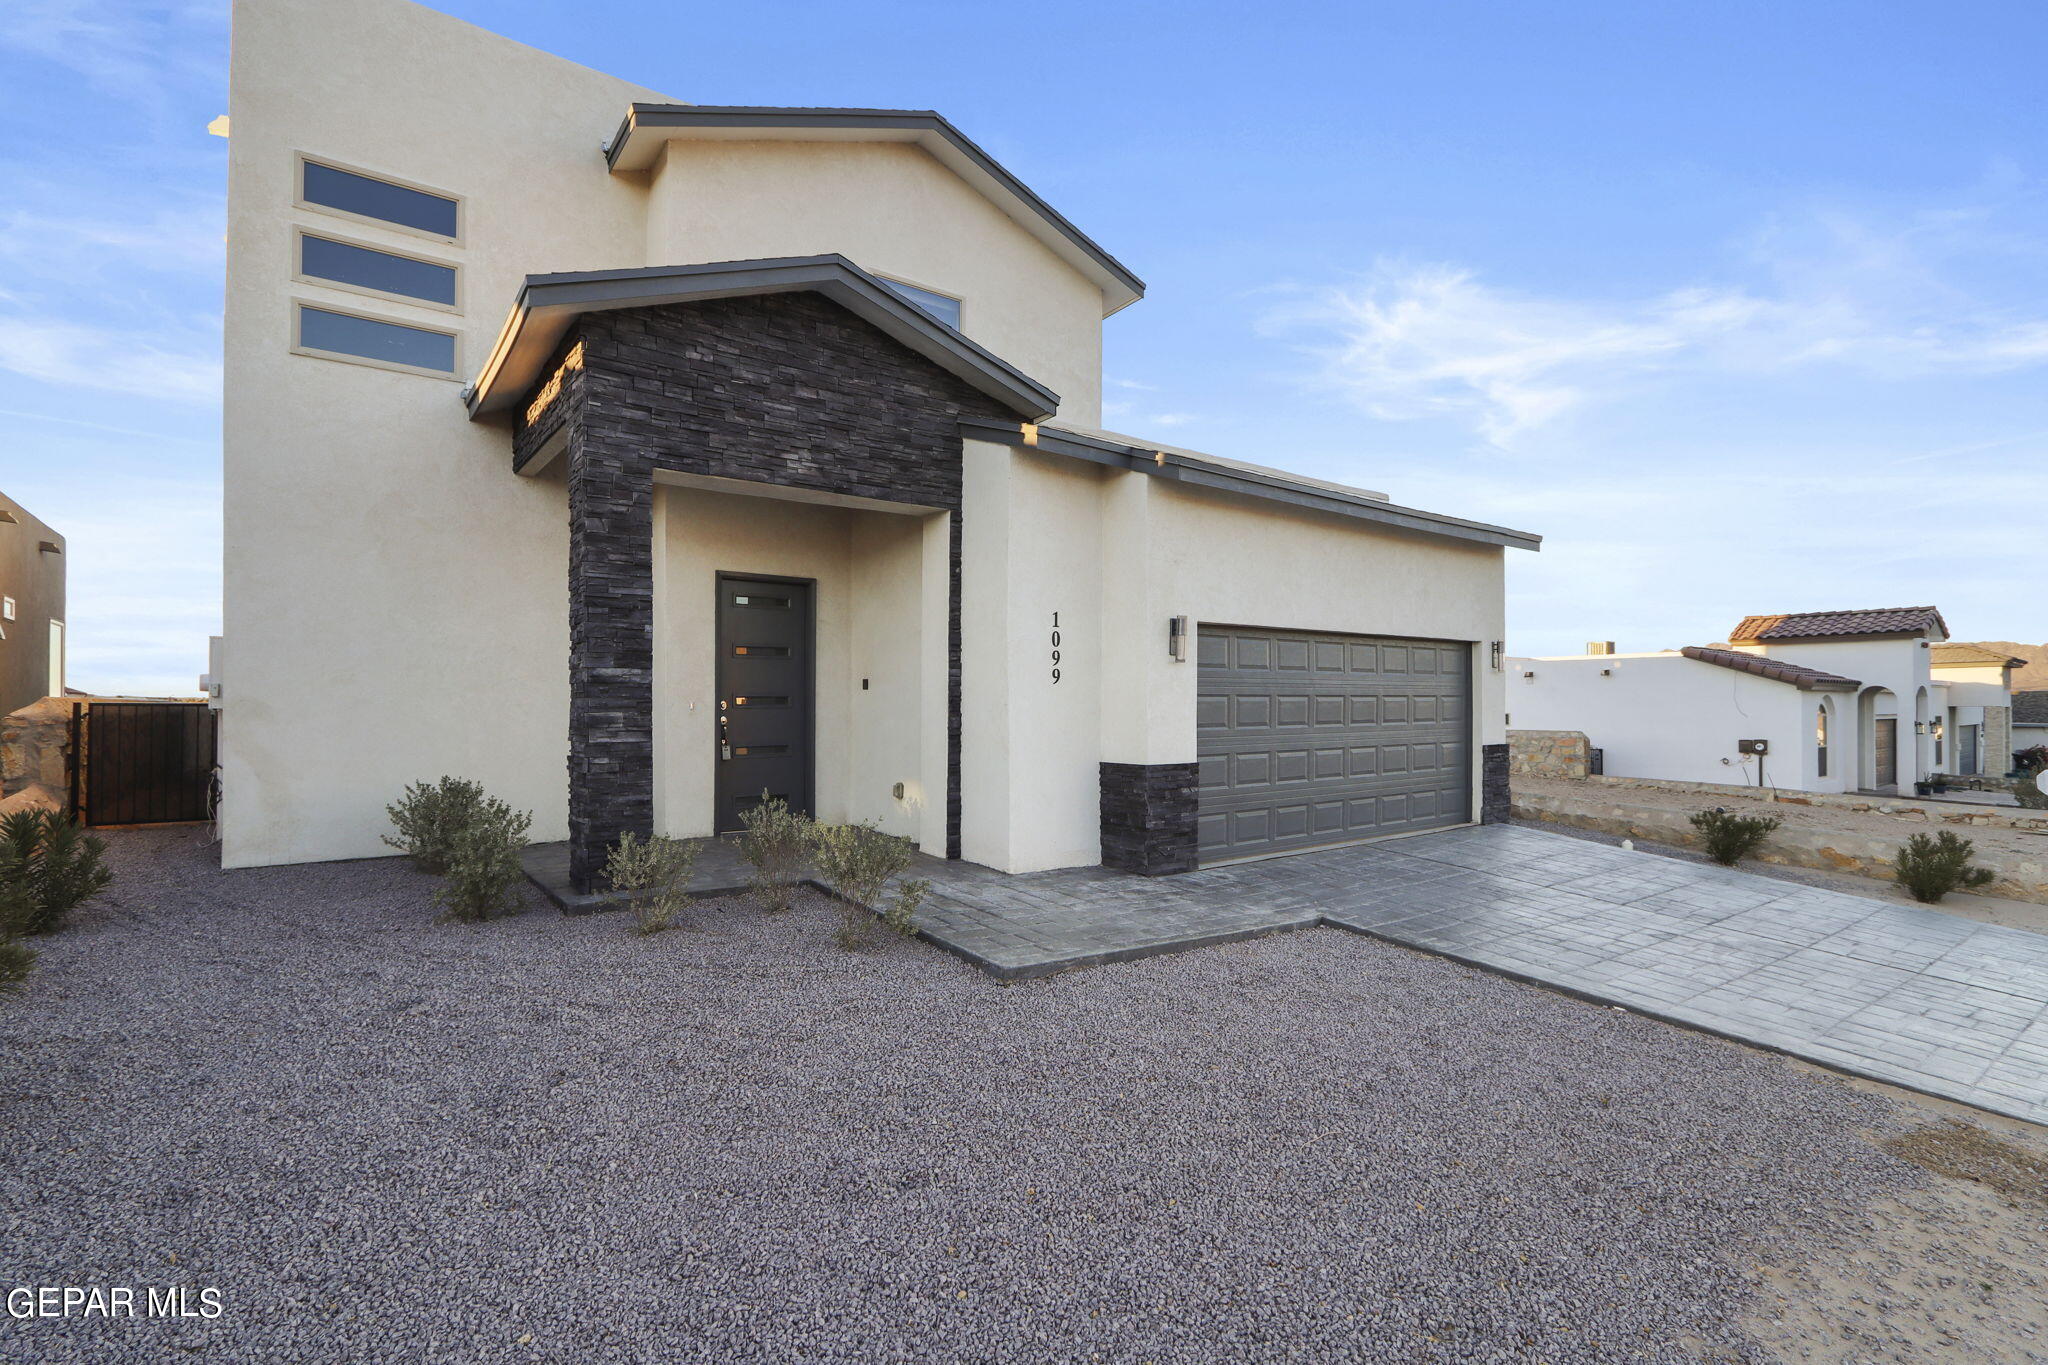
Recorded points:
1752,746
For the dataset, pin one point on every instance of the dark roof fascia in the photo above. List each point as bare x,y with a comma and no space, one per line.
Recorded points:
1248,483
894,120
553,301
1772,670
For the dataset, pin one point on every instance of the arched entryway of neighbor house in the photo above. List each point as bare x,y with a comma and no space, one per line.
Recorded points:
1827,755
1877,734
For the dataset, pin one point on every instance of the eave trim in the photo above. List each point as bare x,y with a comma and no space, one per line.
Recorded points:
925,126
1189,470
548,304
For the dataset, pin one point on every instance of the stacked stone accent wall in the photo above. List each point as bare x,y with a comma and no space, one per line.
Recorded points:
1495,801
1994,741
785,389
1148,818
1549,753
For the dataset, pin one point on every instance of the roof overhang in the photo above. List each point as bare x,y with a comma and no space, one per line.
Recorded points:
1248,481
638,143
548,304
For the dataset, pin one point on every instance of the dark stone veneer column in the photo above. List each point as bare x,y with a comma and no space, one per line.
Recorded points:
785,389
1148,817
1494,803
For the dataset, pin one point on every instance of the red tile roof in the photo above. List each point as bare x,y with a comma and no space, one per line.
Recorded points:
1840,625
1801,677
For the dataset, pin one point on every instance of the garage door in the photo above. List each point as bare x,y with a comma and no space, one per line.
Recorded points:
1317,739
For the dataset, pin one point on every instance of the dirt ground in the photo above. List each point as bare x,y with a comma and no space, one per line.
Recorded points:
1952,1273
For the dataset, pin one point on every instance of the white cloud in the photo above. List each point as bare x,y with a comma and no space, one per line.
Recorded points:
104,358
131,51
1406,341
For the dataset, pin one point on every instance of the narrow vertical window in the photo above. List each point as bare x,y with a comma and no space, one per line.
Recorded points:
1820,738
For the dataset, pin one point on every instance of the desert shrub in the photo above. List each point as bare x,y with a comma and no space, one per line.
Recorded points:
483,869
16,905
776,844
902,910
1728,838
2031,760
655,874
1931,866
857,861
51,867
428,819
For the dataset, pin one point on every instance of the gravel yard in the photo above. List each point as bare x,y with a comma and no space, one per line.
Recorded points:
543,1139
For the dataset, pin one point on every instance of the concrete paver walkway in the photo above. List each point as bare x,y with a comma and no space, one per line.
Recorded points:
1900,994
1914,997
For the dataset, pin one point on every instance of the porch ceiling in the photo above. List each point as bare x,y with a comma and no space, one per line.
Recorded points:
548,304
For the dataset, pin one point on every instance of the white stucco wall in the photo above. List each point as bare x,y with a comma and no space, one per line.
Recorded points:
1900,667
873,621
1677,719
377,543
1117,554
890,208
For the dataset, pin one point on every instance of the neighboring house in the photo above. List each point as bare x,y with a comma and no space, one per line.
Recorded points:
635,458
1833,701
2029,719
31,609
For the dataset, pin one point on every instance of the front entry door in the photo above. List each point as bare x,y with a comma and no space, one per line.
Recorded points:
1887,751
765,665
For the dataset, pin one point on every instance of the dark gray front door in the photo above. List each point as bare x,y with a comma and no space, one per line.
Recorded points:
1966,750
764,694
1887,747
1306,740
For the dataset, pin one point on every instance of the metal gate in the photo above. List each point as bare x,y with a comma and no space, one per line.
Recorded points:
143,762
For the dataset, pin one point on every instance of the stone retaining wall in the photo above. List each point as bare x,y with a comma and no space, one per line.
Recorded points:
1864,855
1910,808
35,749
1548,753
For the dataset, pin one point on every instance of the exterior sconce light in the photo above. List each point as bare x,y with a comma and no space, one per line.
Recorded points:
1919,727
1496,652
1177,638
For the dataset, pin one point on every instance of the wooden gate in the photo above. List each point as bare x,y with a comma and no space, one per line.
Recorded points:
144,762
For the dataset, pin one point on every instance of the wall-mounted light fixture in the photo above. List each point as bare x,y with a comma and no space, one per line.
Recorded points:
1177,638
1919,727
1497,653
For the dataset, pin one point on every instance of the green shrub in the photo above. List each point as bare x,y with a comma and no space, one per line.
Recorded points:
658,870
777,843
16,905
17,960
857,861
51,867
483,862
1729,839
1931,866
902,911
429,818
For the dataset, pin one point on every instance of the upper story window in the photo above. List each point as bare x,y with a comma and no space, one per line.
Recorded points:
325,260
373,199
944,307
335,335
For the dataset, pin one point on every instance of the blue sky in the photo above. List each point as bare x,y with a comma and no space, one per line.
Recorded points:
1743,306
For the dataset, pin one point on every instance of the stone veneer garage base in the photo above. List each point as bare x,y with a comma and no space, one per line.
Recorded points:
1895,993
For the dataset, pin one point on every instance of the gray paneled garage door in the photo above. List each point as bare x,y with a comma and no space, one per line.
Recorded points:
1316,739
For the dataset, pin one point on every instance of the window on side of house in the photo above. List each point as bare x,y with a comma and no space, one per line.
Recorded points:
944,307
1820,739
384,273
336,335
379,201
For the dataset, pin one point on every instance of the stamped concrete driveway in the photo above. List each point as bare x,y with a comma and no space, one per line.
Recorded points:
1914,997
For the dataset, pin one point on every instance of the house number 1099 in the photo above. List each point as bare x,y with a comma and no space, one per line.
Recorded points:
1055,646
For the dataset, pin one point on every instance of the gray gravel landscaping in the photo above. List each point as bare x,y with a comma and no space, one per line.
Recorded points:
386,1138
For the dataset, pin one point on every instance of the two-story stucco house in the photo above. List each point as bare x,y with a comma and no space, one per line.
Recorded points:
636,458
1827,701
